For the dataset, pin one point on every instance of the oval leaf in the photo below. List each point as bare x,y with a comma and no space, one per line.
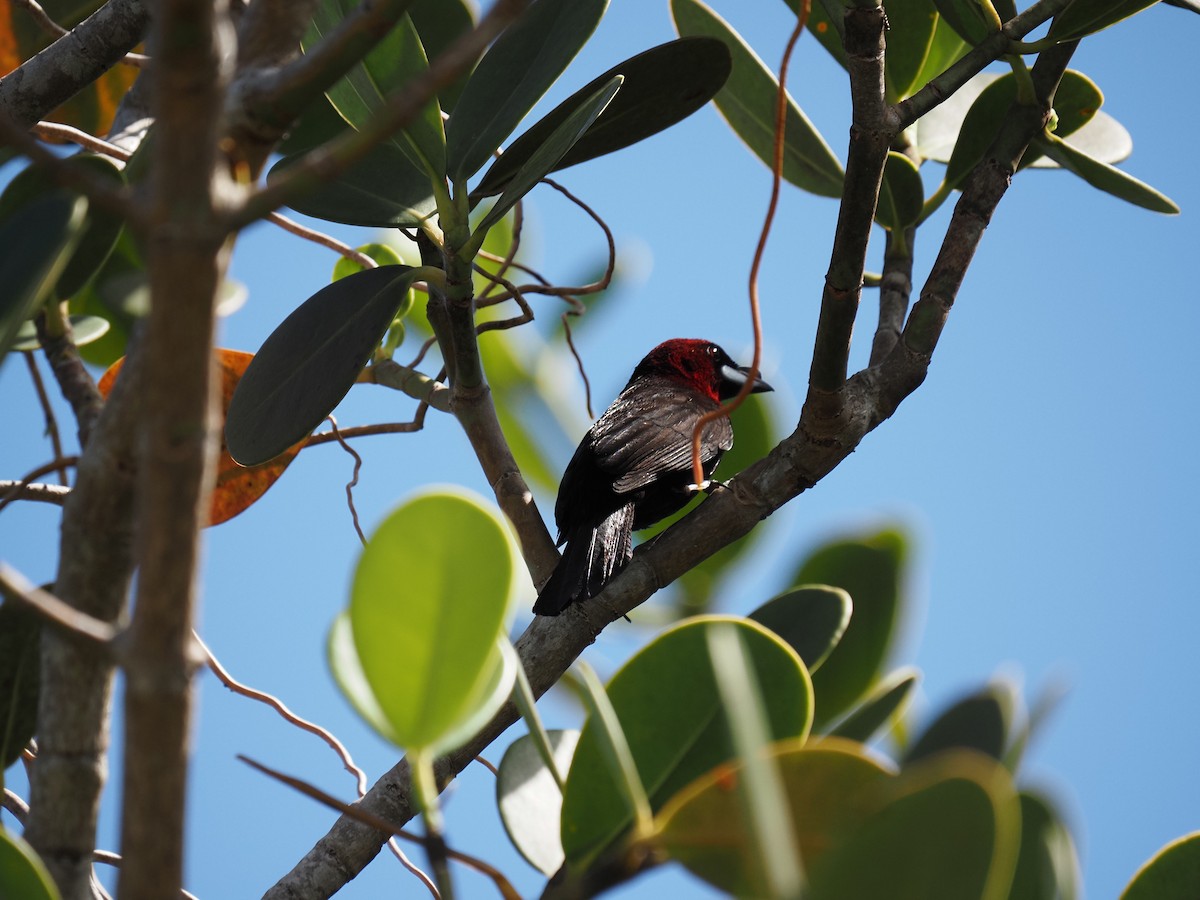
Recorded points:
871,570
84,330
1172,874
811,619
966,18
1048,866
662,86
37,238
830,788
1083,17
310,361
520,66
1105,177
425,626
911,26
748,104
886,702
530,802
382,190
668,707
977,722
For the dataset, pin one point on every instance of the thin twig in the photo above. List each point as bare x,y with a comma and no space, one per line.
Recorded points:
15,805
14,584
587,384
514,293
379,824
755,313
14,490
487,764
108,858
324,240
39,387
328,437
52,28
54,494
353,480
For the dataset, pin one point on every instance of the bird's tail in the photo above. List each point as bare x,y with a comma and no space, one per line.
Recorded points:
591,557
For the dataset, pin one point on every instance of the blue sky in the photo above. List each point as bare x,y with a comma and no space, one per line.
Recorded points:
1045,468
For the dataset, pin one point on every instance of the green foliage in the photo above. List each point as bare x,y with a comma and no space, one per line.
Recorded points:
1046,867
1172,874
418,652
530,801
309,363
887,701
978,722
22,873
20,638
811,619
671,714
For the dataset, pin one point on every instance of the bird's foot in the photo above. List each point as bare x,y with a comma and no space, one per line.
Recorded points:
707,486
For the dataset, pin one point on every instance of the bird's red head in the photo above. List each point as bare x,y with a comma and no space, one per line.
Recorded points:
700,364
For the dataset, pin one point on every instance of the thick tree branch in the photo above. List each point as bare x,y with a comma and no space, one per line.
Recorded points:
74,61
176,437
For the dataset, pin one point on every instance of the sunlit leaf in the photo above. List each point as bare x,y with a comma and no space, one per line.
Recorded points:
424,626
748,104
1105,177
84,330
310,361
911,27
967,18
1172,874
440,23
22,873
669,710
512,76
662,86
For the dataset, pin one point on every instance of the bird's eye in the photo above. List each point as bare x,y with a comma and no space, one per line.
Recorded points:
712,351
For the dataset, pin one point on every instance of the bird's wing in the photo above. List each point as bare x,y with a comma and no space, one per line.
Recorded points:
647,432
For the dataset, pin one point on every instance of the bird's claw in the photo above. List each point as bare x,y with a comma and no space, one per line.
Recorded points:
708,485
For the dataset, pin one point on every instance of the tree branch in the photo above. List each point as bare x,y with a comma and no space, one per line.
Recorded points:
177,440
74,61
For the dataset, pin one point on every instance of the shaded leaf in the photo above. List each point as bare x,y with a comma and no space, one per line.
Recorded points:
979,722
1048,866
20,673
1083,17
237,487
911,28
381,190
440,23
386,70
669,710
967,18
543,160
748,104
425,627
1102,138
1105,177
901,194
662,86
811,619
530,801
870,569
1172,874
37,238
887,701
310,361
512,76
936,133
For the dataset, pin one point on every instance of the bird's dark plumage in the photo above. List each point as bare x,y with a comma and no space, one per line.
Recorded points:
634,466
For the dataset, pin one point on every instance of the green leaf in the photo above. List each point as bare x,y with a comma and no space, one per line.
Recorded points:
37,238
1105,177
530,802
827,30
830,788
22,873
310,361
949,830
667,703
317,124
520,66
1085,17
886,702
1102,138
1172,874
440,23
811,619
662,86
936,133
20,643
967,18
870,568
748,104
545,158
381,253
979,722
901,194
911,28
387,69
425,627
382,190
1048,866
945,49
1076,102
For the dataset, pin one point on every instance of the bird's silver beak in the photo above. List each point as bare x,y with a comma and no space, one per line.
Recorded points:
737,376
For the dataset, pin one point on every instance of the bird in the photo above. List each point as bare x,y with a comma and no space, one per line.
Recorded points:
634,465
